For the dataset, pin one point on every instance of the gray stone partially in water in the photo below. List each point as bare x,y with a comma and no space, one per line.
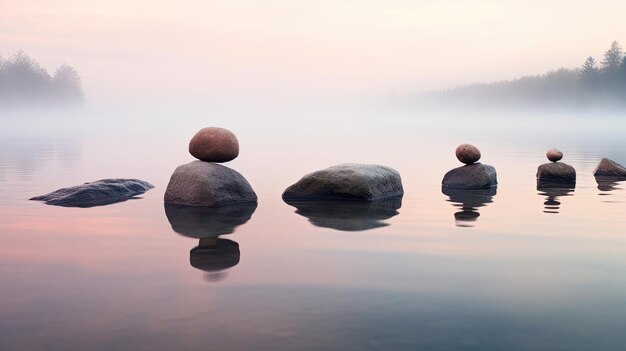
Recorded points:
555,173
97,193
208,222
201,183
474,176
348,181
610,169
348,215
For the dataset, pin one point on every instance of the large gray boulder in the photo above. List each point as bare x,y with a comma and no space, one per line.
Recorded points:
201,183
348,181
610,169
474,176
556,173
98,193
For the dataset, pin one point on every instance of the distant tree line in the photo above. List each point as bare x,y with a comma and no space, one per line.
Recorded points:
23,80
603,83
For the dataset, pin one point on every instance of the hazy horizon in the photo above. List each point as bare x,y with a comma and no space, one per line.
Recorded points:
215,51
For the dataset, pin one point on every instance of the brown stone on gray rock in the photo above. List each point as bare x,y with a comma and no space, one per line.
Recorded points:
348,181
214,145
554,155
474,176
609,168
556,173
468,154
201,183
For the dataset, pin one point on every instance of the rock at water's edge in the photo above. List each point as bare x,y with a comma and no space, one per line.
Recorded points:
609,168
556,172
201,183
474,176
97,193
348,181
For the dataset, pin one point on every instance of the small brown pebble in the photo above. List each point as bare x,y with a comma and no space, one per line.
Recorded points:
554,155
214,145
467,154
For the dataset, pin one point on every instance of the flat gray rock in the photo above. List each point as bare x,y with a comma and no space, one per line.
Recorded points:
555,173
348,182
200,183
610,169
98,193
474,176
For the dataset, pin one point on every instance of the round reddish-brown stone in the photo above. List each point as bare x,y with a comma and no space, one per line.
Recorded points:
214,145
468,154
554,155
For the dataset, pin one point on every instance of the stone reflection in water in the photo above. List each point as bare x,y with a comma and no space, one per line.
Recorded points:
348,215
607,184
553,191
468,200
213,254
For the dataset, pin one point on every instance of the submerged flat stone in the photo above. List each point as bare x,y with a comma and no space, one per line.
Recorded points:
556,173
201,183
97,193
347,182
474,176
610,169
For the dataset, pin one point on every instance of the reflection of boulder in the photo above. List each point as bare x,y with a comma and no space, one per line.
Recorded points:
468,200
607,183
347,181
204,222
214,254
98,193
348,215
474,176
552,192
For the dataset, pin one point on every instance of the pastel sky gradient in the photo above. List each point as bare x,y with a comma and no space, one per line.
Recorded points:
289,48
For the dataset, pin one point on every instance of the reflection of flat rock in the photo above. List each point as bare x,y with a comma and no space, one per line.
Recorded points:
201,183
348,181
347,215
204,222
98,193
474,176
610,169
213,255
556,173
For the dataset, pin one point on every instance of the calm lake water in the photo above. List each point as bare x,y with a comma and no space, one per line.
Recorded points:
517,269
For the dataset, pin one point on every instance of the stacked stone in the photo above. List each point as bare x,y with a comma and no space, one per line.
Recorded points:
204,182
473,175
555,173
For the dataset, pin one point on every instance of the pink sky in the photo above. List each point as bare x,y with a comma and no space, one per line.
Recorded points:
290,48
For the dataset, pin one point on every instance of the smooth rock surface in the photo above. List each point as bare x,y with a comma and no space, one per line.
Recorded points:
475,176
208,222
554,155
201,183
467,153
348,181
97,193
348,215
556,173
609,168
214,145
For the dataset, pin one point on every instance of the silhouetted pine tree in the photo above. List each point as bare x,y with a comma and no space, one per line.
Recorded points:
589,73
